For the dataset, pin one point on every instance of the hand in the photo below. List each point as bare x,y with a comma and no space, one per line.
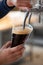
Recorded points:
9,55
21,4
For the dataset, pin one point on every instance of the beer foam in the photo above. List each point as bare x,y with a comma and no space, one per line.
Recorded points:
20,30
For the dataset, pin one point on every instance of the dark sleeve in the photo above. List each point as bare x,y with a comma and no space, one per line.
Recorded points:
4,8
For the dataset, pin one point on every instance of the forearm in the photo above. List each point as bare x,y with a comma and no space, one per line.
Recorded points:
4,8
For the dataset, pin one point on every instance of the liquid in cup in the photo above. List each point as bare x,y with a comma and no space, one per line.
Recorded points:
19,35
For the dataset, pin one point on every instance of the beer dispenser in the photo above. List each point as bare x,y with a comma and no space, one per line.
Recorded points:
37,8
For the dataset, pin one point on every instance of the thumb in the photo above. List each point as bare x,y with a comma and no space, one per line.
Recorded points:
7,45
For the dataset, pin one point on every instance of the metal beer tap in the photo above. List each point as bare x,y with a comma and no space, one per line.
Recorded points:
38,8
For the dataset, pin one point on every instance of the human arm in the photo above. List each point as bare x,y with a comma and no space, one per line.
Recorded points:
7,5
4,8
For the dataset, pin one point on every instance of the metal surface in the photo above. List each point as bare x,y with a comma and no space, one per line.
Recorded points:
38,7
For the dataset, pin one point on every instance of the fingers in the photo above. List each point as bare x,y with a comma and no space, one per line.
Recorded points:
17,55
23,8
20,52
8,44
22,3
14,59
17,48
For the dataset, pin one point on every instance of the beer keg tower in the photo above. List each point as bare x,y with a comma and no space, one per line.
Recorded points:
38,9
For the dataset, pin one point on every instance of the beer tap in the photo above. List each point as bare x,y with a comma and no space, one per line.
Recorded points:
37,8
40,12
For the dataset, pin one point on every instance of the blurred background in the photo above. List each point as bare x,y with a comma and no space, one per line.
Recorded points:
33,54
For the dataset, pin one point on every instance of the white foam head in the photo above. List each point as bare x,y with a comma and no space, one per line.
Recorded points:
19,29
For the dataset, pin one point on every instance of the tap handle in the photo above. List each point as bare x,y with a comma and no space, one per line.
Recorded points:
30,17
40,2
25,19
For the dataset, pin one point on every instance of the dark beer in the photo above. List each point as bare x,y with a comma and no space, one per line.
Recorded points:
19,35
